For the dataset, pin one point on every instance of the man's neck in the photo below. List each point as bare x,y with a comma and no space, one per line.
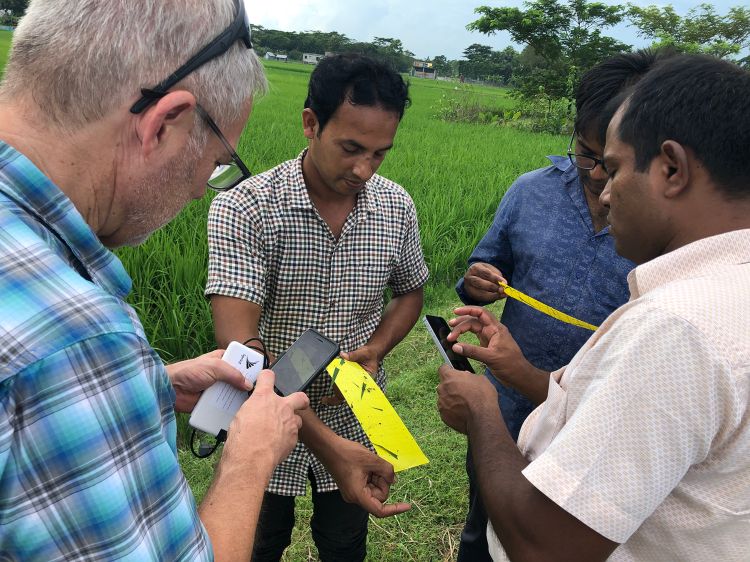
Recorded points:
74,162
333,207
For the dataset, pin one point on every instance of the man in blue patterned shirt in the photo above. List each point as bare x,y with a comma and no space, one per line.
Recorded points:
550,240
89,160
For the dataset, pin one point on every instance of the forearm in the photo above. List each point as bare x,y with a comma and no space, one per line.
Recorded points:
234,319
317,436
529,525
232,505
398,318
533,383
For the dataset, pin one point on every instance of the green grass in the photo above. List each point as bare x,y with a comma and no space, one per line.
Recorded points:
456,174
5,40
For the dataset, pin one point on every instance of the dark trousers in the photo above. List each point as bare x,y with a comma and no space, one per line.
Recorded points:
339,529
473,546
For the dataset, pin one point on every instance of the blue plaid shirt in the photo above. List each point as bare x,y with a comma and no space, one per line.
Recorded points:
543,241
88,456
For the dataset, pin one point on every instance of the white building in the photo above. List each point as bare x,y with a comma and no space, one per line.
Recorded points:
311,58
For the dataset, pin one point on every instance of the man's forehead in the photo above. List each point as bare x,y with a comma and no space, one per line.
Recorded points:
613,138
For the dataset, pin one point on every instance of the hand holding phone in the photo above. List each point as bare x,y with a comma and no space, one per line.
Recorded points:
439,330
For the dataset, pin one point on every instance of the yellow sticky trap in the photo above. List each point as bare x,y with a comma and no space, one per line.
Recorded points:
379,420
544,308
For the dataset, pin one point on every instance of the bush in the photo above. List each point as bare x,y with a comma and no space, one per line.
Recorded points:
539,114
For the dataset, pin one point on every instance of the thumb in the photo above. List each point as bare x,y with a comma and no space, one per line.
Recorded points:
223,371
298,401
481,354
265,380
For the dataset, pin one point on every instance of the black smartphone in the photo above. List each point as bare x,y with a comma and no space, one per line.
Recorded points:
305,359
439,330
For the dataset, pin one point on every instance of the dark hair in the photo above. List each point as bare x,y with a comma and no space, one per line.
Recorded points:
358,79
701,102
607,79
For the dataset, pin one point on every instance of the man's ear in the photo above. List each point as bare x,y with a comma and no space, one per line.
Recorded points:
168,122
309,123
673,168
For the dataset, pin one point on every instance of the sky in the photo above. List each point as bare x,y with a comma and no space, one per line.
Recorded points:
425,27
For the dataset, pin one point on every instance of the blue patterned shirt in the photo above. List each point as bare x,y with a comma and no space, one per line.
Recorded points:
543,241
88,456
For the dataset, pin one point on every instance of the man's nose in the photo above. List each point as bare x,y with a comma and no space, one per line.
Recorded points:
604,196
363,169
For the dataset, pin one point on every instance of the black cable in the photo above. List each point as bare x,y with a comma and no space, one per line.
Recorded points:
205,451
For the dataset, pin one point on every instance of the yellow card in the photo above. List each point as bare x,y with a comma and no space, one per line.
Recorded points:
381,423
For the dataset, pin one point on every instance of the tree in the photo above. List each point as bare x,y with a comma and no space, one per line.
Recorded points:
442,66
16,7
565,34
701,31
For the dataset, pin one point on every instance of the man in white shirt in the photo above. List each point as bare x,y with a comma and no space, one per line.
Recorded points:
642,448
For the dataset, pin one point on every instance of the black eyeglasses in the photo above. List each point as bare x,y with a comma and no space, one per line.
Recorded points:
238,30
583,161
225,176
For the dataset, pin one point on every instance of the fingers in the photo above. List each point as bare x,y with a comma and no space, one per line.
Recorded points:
381,510
298,401
265,380
381,471
223,371
481,314
485,271
481,354
446,372
462,325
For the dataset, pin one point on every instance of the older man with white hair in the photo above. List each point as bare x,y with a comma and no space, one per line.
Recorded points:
97,150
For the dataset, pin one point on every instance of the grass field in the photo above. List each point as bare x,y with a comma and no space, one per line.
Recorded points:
456,174
5,38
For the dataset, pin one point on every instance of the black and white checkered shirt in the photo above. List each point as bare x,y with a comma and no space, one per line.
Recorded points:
269,245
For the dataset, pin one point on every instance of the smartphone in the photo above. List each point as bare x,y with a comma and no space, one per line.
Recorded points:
305,359
439,330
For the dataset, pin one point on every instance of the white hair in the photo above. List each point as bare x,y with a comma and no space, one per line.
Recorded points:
80,59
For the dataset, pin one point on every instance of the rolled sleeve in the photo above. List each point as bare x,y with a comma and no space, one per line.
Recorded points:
411,271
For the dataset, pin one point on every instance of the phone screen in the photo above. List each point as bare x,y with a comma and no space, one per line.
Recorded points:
439,331
303,361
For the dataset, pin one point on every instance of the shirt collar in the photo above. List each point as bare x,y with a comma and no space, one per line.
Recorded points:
32,191
574,187
698,259
299,198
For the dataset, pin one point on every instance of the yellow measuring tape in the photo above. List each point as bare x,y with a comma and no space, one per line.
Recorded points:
544,308
379,420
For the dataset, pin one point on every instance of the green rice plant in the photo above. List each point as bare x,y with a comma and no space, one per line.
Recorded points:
5,40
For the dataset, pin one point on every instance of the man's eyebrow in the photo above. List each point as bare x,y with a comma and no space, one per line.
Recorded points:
360,147
584,146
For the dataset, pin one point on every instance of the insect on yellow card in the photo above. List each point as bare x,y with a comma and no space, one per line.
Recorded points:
379,420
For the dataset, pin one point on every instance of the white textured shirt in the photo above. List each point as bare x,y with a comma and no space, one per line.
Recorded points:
645,435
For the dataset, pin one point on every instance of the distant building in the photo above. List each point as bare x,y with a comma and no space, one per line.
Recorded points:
311,58
272,56
423,69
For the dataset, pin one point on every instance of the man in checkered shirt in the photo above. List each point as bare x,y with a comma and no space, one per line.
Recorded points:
315,243
91,161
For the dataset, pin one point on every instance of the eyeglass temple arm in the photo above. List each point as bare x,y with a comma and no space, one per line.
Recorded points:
216,48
